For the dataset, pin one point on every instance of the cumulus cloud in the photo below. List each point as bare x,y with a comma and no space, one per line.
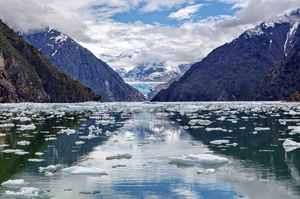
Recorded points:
89,23
257,11
185,13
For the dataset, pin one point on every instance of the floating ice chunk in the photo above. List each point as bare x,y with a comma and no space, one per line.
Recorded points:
206,171
27,127
79,142
290,145
2,134
295,129
35,160
39,153
11,150
67,131
4,145
26,192
90,136
21,152
233,144
50,139
78,170
48,168
215,129
15,183
218,142
200,159
261,128
7,125
23,143
119,156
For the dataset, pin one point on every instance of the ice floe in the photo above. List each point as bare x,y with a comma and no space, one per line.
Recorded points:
14,183
290,145
78,170
23,143
200,159
206,171
217,142
26,192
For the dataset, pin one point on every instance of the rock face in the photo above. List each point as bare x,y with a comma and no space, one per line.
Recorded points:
234,70
282,80
27,76
80,64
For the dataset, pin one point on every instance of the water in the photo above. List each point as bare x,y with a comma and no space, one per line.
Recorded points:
237,150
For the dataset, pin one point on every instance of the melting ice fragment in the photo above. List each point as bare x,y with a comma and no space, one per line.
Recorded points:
206,171
26,192
14,183
290,145
23,143
200,159
218,142
78,170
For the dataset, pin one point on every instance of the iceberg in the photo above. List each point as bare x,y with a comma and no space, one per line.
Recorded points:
218,142
290,145
200,159
206,171
23,143
27,127
26,192
14,183
78,170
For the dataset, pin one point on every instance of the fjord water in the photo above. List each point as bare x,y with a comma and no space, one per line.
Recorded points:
149,150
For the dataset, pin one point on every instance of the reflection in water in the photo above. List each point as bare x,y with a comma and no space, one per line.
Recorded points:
145,139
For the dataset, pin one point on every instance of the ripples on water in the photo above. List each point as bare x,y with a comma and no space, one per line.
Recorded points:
149,150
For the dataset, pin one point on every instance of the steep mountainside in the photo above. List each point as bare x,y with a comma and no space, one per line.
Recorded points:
27,76
234,70
281,81
80,64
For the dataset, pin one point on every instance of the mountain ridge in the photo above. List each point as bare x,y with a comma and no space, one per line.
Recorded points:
80,64
233,71
27,76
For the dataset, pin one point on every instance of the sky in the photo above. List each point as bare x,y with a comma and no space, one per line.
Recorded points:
174,31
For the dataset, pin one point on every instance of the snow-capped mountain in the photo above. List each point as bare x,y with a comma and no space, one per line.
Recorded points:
147,70
80,64
234,70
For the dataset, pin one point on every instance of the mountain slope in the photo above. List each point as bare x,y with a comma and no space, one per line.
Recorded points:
282,80
80,64
27,76
234,70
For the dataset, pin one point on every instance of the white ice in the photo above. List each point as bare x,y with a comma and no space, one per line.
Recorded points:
119,156
17,182
23,143
78,170
200,159
206,171
218,142
290,145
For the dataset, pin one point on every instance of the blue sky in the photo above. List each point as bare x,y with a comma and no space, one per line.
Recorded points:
171,31
206,9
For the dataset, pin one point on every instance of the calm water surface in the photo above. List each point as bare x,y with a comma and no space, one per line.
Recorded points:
166,150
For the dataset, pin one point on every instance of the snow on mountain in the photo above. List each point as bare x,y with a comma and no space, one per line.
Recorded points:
151,71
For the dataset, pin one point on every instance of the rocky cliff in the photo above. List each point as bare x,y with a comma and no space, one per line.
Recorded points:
27,76
234,70
282,80
80,64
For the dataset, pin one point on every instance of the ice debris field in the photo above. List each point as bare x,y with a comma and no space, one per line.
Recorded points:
118,124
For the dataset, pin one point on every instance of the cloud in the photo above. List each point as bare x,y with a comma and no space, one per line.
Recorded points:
185,13
257,11
89,23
